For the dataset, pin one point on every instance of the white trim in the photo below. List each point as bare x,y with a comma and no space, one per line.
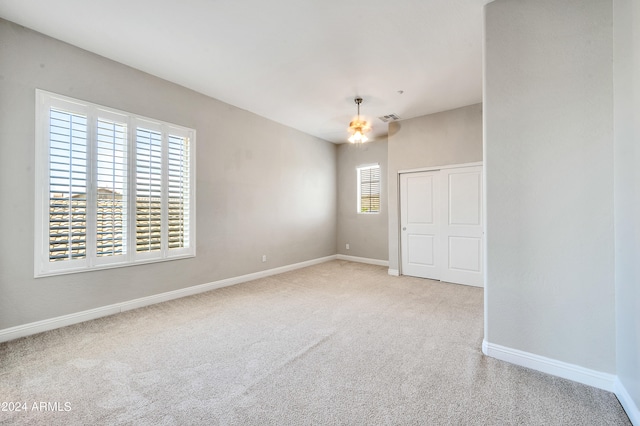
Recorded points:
627,402
363,260
78,317
393,272
554,367
369,165
448,166
123,264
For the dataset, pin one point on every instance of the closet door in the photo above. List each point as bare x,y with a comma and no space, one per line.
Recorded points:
419,222
461,230
441,234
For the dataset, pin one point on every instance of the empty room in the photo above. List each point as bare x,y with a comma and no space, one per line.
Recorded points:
359,213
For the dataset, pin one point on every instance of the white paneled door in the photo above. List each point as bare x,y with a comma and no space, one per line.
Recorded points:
461,231
420,224
441,225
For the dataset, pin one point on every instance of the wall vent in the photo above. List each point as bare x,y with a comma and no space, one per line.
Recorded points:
389,117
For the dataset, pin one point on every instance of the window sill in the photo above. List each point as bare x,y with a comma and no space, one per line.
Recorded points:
111,266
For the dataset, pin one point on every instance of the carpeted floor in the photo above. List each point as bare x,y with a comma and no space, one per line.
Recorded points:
336,343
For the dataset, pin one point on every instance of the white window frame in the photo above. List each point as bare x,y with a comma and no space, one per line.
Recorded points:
42,266
359,187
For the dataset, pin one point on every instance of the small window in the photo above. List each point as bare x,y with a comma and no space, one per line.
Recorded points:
369,189
113,189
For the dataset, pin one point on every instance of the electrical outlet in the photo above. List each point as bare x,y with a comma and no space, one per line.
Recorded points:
347,246
264,257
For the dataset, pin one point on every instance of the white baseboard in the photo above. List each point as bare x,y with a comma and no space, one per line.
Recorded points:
75,318
554,367
58,322
363,260
630,407
394,272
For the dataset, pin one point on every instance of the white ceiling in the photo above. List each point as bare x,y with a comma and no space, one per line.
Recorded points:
297,62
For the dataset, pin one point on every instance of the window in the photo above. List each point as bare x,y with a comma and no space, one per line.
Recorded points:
112,188
369,189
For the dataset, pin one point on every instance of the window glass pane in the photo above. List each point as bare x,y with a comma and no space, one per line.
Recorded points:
148,190
369,189
111,200
178,179
67,185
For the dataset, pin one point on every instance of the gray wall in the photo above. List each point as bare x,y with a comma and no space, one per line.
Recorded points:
450,137
548,117
627,193
366,233
262,188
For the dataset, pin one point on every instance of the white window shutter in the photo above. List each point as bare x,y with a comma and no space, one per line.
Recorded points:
113,188
148,191
111,191
67,186
179,182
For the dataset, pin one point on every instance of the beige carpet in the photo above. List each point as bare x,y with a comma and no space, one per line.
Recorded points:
336,343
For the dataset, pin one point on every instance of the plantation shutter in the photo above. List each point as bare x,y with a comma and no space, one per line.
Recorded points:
148,190
112,188
67,185
111,178
369,190
178,191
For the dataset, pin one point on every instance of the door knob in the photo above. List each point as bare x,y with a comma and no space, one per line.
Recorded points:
404,228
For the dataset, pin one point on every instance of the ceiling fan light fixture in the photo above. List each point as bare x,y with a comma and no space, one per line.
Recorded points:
358,127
